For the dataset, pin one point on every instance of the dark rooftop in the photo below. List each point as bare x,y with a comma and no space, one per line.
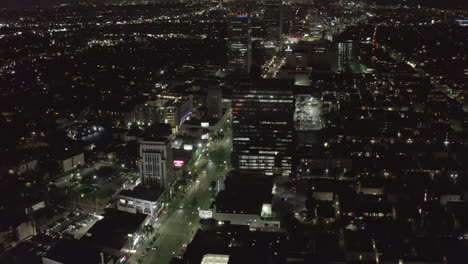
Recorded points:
65,251
244,193
242,245
158,132
143,193
112,231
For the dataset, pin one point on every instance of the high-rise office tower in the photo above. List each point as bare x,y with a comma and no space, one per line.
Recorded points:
213,101
263,127
156,163
239,43
273,20
346,57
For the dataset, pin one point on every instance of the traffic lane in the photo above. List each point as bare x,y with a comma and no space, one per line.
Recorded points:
181,225
185,221
172,237
178,230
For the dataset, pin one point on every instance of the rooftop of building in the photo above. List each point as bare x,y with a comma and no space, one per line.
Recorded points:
268,85
422,250
358,241
199,121
459,210
360,203
316,247
17,157
112,231
324,185
67,152
182,154
308,46
72,251
158,132
143,193
244,193
187,139
13,208
325,209
242,245
165,101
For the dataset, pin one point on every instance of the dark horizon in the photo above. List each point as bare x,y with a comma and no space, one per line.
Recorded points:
452,4
45,3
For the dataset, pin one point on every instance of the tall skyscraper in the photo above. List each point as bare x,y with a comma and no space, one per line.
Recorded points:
273,20
239,43
156,163
263,129
213,101
346,56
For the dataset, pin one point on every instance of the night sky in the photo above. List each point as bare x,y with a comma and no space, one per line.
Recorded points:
30,3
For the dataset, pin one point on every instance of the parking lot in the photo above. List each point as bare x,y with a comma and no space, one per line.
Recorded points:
73,225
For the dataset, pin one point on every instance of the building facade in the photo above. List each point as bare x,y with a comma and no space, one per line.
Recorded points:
214,102
72,162
171,110
156,163
273,20
140,200
346,56
239,43
263,128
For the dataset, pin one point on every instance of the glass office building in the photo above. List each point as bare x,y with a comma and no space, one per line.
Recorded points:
239,43
263,127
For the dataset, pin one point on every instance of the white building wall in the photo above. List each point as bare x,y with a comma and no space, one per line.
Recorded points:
28,166
134,205
445,198
156,163
254,221
72,162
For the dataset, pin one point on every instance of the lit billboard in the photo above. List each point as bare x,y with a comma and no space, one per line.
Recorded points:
179,163
205,214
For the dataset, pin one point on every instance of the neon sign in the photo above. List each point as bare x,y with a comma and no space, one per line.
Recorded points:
239,15
179,163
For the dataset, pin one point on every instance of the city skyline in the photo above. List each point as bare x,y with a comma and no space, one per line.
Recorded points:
234,132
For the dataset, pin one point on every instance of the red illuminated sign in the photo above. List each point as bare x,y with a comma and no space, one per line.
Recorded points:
239,14
179,163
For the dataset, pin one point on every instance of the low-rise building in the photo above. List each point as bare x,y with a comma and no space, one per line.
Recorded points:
252,208
235,245
72,161
140,200
167,109
116,233
359,246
